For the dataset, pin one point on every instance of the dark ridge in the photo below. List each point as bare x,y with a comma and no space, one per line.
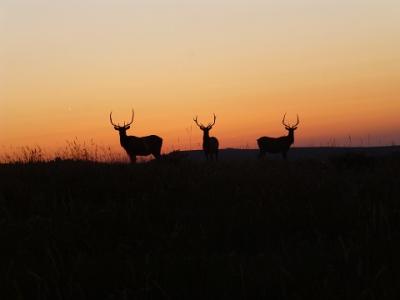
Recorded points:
298,153
188,229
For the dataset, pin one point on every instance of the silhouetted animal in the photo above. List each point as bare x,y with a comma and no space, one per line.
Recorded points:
280,144
138,146
210,144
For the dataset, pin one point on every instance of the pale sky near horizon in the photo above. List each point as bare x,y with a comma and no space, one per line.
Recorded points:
64,65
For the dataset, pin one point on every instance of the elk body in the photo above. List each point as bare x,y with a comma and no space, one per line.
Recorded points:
137,146
279,144
210,144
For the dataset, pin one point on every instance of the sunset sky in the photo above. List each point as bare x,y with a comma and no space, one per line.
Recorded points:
64,65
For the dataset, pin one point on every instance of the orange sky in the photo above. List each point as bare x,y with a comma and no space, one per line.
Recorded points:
65,64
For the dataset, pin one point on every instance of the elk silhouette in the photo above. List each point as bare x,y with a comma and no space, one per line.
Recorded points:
280,144
210,144
137,146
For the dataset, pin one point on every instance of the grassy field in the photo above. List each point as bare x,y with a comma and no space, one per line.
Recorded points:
180,229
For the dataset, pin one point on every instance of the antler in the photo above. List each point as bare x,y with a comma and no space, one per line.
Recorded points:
298,122
283,121
125,125
197,123
211,125
290,126
112,123
133,114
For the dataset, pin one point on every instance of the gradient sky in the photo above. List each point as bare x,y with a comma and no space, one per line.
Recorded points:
65,64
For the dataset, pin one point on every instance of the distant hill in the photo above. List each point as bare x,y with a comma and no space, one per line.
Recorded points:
297,153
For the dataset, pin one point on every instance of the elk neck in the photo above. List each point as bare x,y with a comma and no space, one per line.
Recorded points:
206,136
122,137
291,136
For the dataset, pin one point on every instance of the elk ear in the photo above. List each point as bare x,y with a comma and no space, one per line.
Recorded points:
294,128
127,127
116,128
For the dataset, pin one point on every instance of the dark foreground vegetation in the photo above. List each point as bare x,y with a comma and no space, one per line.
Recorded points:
188,230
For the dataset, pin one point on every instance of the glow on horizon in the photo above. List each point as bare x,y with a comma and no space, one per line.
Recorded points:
65,65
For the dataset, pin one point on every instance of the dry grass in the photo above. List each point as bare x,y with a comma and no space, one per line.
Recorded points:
74,150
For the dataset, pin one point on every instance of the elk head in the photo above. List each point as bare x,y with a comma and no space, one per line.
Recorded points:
288,127
122,129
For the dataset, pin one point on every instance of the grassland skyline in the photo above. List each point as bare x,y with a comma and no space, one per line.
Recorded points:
65,65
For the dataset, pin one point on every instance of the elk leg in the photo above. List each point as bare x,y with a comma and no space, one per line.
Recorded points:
284,155
157,154
133,158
